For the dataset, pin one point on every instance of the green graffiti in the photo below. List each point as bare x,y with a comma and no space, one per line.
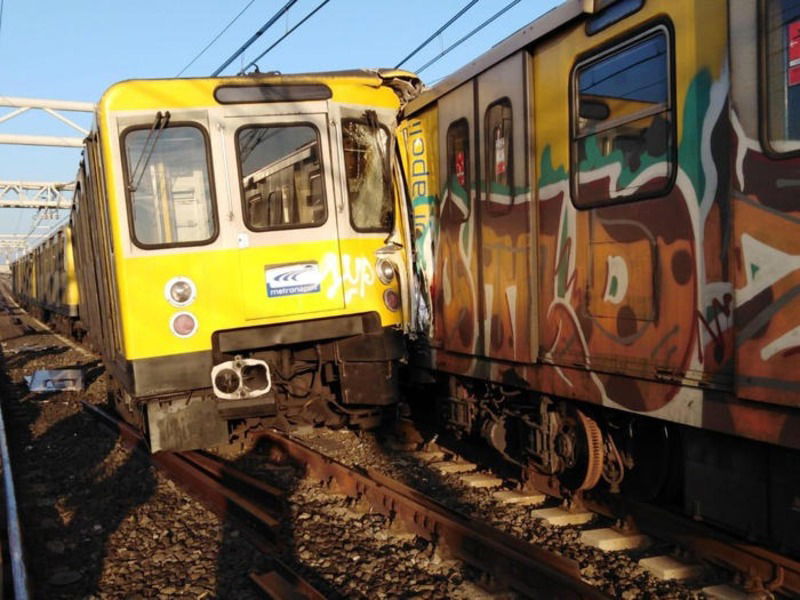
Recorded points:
612,288
550,174
698,99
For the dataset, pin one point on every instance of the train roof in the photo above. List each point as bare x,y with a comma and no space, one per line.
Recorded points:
537,29
197,91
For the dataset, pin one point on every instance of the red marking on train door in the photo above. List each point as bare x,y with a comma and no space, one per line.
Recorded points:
793,68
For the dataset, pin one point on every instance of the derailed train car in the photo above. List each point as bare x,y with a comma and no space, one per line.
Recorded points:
605,212
239,252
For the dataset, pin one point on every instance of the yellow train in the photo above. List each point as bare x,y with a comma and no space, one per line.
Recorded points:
240,251
45,282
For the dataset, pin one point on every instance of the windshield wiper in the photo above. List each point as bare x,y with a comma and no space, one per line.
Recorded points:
159,124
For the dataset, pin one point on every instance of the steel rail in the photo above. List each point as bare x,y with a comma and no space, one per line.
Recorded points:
522,566
19,572
227,491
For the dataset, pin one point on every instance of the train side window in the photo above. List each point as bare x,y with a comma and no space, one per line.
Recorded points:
457,198
369,184
781,45
281,177
499,157
169,189
623,123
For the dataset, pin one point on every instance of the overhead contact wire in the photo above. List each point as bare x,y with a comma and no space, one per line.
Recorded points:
452,20
255,36
469,35
285,35
212,42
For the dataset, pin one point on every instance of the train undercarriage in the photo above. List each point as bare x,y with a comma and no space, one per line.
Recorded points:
253,382
569,448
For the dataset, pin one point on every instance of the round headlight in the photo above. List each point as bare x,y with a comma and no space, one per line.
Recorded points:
180,291
385,271
391,300
183,324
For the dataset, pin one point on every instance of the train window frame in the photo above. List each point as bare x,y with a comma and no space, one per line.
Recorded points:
211,185
461,121
658,26
240,176
489,153
387,174
764,123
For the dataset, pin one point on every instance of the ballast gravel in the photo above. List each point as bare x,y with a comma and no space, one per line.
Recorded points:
100,522
615,573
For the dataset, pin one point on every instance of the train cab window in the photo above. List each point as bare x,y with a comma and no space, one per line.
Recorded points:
369,185
281,177
623,140
782,95
499,157
170,199
457,197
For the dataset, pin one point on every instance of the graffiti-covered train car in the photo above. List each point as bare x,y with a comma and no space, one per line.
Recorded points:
605,209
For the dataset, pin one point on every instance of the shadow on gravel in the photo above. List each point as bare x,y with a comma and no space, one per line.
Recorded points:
71,498
257,462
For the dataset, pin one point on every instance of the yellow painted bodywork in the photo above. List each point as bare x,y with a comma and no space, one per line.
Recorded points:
230,282
219,305
71,281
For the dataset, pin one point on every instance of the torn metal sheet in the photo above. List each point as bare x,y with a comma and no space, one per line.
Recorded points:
55,380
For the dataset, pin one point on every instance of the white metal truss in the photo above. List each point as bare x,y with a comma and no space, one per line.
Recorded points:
36,194
51,107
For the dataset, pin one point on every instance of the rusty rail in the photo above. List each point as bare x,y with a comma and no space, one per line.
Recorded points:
764,570
227,491
524,567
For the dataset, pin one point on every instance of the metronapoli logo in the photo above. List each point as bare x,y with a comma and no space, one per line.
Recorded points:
290,280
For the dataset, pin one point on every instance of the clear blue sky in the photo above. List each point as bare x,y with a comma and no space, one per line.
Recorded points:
73,50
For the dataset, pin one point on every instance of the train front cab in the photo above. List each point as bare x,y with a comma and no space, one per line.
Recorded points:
257,265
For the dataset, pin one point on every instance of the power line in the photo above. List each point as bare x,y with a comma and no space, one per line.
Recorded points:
211,43
285,35
255,36
469,35
452,20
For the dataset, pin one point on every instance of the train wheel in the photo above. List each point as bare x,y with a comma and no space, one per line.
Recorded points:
579,445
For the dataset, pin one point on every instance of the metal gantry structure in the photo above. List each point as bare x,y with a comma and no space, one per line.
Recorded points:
46,197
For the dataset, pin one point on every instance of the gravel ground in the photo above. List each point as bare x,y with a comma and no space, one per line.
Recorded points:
98,521
616,573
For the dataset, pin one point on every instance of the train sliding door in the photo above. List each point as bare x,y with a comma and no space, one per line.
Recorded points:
456,297
504,213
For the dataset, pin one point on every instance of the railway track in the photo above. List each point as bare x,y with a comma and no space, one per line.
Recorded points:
228,492
685,554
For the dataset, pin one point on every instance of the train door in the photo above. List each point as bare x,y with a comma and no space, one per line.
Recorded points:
504,207
456,298
765,116
288,242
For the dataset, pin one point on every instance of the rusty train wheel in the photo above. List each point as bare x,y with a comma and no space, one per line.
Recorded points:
581,443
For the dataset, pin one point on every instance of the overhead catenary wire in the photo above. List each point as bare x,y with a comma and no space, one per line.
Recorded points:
284,36
452,20
255,36
216,37
469,35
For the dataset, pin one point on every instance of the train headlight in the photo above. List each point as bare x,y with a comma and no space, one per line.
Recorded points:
391,300
180,291
183,324
385,271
